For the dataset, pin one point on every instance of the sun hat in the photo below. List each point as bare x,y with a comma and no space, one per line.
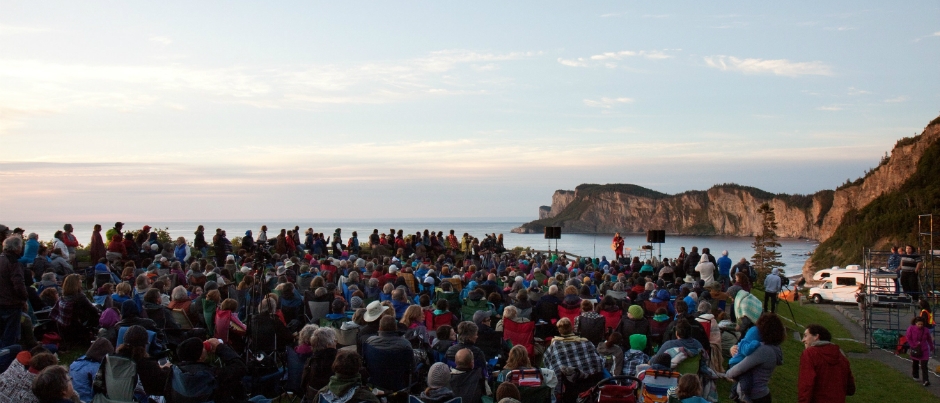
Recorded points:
429,280
393,269
281,270
689,278
373,311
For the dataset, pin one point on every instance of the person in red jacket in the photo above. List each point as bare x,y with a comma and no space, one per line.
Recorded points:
825,374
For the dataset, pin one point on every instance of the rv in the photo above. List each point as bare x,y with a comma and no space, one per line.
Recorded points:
825,273
842,285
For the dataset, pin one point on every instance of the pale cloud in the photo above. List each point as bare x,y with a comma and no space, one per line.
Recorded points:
57,87
780,67
830,108
161,40
608,15
607,103
896,99
855,91
607,59
933,35
843,28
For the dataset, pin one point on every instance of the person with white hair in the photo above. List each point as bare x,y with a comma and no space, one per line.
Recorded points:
724,270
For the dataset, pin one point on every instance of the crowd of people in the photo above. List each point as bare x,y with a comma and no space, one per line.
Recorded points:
325,318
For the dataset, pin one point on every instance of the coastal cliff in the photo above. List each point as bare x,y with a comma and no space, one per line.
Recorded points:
730,209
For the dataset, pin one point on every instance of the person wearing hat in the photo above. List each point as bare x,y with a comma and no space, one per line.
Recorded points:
438,390
635,322
191,355
374,311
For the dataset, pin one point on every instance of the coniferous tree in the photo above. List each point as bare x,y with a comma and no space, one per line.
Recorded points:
765,244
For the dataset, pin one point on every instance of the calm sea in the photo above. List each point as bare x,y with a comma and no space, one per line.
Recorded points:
794,251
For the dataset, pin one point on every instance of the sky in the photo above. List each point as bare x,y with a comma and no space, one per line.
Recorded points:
474,110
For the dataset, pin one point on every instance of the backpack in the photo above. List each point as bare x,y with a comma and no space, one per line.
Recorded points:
116,380
191,387
751,273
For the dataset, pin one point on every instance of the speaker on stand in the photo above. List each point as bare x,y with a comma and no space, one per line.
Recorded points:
656,236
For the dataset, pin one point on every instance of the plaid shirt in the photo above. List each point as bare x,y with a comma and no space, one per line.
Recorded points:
746,304
632,359
573,352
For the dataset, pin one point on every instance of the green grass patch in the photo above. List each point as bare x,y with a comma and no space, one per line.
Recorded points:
807,314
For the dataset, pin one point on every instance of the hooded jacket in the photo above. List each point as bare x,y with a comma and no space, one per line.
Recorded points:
825,374
772,282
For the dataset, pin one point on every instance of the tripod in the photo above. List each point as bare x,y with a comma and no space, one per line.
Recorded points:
787,301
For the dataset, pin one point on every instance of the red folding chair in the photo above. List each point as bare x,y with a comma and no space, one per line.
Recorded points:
571,314
520,334
432,321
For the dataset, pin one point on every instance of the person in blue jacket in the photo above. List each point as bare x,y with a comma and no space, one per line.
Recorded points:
31,249
83,369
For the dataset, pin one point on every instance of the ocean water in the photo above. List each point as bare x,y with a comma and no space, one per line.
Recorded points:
794,252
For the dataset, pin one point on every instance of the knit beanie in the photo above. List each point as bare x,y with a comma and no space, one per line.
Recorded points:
439,376
136,336
638,342
355,303
480,316
190,350
635,311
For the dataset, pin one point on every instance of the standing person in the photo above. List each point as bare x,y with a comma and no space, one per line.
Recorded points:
59,243
263,236
772,285
705,269
825,374
617,246
691,261
70,242
724,270
96,246
199,241
117,230
248,242
182,251
12,291
921,342
910,269
759,366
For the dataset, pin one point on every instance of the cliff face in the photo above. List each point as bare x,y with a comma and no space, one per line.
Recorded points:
730,209
721,210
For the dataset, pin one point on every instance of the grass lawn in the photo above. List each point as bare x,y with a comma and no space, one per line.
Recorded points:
875,382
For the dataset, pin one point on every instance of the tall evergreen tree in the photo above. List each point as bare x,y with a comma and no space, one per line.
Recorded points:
765,244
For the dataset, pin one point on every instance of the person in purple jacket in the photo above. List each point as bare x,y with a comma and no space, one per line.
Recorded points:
921,347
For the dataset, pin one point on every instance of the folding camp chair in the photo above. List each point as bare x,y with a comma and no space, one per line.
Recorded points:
318,310
180,317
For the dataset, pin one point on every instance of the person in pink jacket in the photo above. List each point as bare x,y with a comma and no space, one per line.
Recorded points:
921,347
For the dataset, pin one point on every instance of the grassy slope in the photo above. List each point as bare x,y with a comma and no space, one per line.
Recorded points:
875,381
891,217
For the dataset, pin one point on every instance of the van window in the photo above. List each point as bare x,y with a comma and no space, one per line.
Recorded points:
849,281
824,275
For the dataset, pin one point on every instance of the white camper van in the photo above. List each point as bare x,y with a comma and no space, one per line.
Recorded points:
826,273
842,285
